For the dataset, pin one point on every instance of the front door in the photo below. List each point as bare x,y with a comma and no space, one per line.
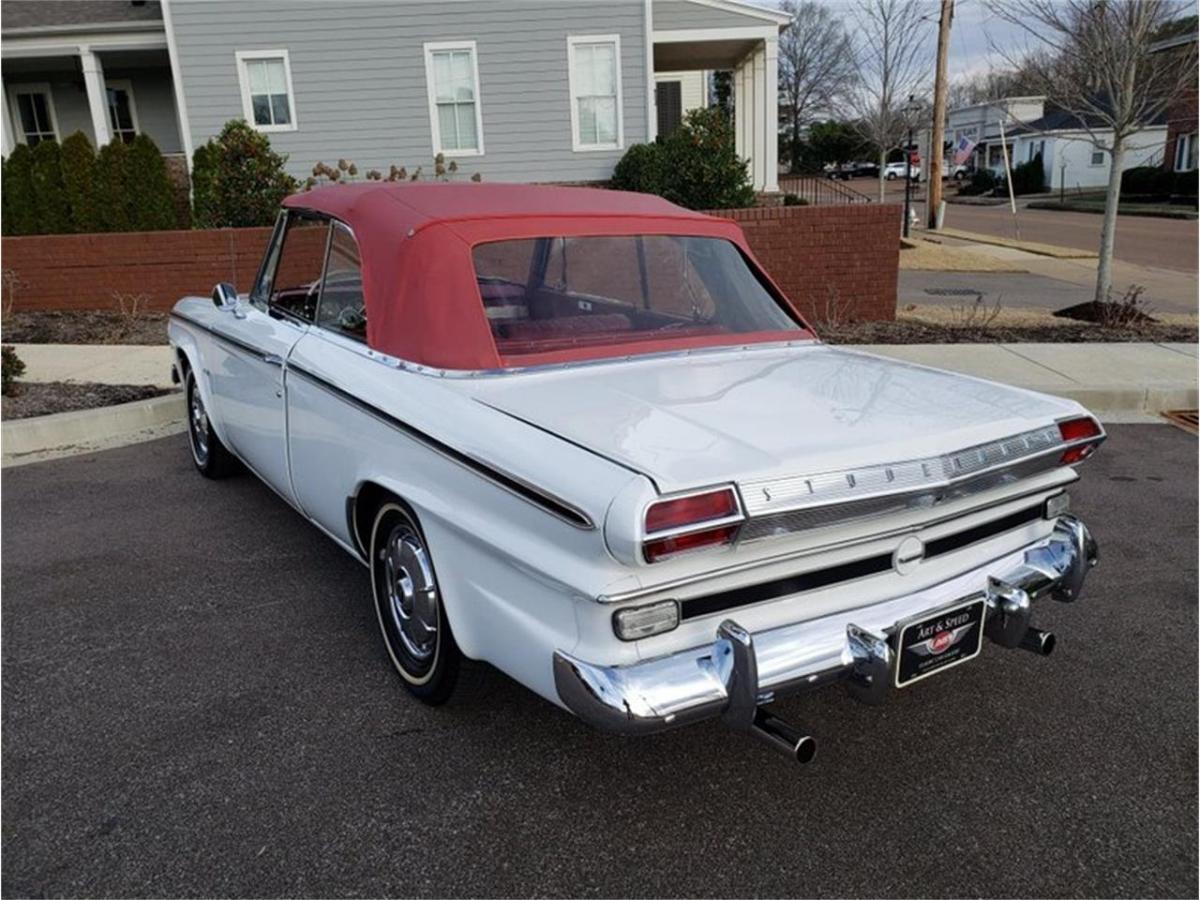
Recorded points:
252,349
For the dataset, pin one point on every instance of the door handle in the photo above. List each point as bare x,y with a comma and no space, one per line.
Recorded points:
273,359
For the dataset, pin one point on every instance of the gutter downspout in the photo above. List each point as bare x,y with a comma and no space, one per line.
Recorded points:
651,98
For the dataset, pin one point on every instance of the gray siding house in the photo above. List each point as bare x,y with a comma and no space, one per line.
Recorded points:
517,90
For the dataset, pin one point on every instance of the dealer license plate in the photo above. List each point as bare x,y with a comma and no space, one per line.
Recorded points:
939,641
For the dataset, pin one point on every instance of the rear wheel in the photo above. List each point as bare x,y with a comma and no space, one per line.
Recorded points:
408,605
208,453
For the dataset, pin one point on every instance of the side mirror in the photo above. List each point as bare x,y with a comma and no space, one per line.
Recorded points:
224,297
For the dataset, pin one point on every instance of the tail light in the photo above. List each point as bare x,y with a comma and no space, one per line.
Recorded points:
1084,435
697,521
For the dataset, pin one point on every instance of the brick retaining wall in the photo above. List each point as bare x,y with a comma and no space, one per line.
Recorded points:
831,261
824,257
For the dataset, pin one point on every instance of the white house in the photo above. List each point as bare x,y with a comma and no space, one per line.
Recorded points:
1071,158
1030,126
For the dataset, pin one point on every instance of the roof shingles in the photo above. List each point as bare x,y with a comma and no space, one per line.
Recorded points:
31,14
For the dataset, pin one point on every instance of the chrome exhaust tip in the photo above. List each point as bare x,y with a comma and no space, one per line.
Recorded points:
1037,641
781,736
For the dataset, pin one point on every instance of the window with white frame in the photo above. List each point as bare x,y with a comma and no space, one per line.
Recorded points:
1098,156
122,114
33,113
266,81
594,73
455,113
1185,152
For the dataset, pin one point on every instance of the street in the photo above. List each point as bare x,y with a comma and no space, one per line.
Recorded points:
197,703
1141,240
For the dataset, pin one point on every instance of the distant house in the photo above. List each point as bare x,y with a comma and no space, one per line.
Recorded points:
1031,126
1180,154
518,90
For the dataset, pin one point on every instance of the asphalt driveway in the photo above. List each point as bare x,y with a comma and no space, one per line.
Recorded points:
195,702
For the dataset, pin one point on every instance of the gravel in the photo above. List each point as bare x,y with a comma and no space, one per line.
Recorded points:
85,327
41,398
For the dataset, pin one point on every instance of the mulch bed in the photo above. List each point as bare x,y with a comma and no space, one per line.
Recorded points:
44,398
84,327
910,332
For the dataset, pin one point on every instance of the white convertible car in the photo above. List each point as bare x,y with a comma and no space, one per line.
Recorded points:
581,435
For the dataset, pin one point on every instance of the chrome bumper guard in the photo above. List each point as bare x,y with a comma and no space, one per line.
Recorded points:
739,672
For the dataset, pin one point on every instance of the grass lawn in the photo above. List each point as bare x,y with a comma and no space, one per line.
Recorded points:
1094,203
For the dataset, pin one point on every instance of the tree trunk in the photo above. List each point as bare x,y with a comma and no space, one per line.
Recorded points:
1108,231
882,173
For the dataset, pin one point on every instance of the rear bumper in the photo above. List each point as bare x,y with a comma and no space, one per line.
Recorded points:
736,673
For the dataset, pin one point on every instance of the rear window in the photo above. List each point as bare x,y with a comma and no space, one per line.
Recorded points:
556,293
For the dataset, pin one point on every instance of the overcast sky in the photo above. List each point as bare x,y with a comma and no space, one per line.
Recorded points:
975,30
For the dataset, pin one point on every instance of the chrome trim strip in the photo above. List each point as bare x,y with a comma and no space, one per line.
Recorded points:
514,484
235,343
796,492
435,372
747,565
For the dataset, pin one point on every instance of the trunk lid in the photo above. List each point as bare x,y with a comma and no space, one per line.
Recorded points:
709,418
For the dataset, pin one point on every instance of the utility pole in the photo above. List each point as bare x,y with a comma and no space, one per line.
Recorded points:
934,189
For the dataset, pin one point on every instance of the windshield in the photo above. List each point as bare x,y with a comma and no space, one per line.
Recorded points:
556,293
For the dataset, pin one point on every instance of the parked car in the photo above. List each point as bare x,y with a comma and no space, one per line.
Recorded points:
896,170
581,435
958,173
846,171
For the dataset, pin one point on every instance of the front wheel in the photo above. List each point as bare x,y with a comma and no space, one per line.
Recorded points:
208,453
408,604
891,176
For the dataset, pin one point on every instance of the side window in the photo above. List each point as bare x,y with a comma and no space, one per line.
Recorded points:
342,307
295,283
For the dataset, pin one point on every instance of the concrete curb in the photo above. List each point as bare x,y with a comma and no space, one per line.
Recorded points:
64,434
1052,250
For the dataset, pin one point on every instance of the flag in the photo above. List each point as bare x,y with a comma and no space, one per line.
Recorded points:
962,150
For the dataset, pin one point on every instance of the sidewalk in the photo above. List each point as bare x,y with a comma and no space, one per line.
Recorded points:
100,363
1106,378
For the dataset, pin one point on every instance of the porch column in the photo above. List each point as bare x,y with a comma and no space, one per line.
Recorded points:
739,112
10,136
97,95
771,115
758,152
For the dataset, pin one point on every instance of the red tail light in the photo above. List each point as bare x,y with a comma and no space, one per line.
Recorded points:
693,540
1084,428
690,523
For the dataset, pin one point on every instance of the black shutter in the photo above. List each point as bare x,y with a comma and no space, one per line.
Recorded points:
668,97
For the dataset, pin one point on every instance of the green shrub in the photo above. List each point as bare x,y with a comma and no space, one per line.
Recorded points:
982,182
11,368
695,165
702,168
79,176
112,187
49,193
640,169
248,179
794,200
151,199
20,207
1029,177
1146,181
203,210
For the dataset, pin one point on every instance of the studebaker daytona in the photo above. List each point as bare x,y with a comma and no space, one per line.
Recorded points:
581,435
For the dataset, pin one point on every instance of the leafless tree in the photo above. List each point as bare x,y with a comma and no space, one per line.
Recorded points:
816,64
892,54
995,84
1099,64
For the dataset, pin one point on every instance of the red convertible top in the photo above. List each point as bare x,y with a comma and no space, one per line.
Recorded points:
419,283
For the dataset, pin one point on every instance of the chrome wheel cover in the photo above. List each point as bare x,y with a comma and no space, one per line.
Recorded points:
411,593
198,425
